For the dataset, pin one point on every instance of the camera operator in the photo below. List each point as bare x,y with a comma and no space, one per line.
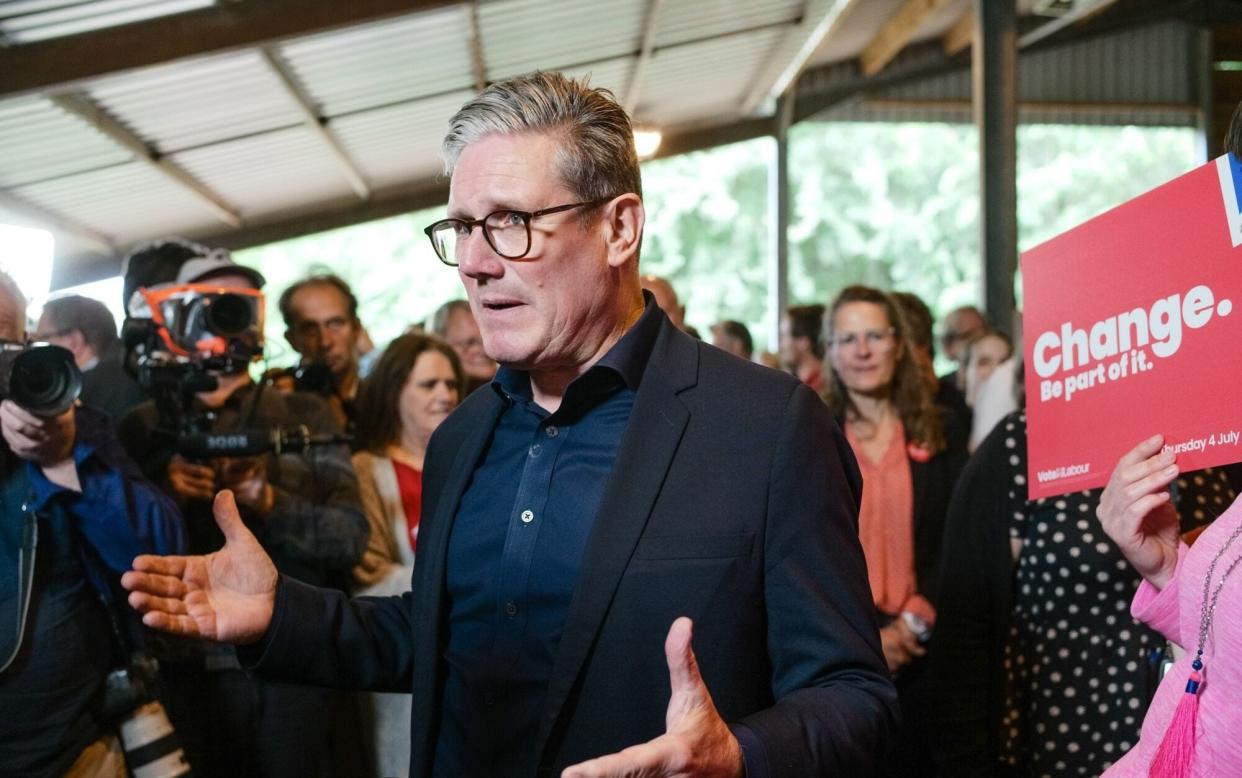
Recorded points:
63,472
303,507
321,321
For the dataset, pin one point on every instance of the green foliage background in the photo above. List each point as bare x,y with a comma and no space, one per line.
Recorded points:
892,205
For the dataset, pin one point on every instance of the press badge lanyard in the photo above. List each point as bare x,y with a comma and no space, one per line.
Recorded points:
25,581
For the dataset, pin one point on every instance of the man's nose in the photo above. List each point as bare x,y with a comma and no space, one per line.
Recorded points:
476,258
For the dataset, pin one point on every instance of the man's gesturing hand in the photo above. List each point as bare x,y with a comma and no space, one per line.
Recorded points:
227,596
697,741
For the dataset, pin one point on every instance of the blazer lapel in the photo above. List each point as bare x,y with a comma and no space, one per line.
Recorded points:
429,566
643,459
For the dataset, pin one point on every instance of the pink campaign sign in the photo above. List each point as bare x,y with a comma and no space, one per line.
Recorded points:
1130,330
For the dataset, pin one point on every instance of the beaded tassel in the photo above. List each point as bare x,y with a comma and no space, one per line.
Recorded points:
1177,749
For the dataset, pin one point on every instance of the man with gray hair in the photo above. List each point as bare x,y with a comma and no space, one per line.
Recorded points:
596,503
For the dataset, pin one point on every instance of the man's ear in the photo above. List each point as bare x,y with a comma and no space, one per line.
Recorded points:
292,339
75,341
624,219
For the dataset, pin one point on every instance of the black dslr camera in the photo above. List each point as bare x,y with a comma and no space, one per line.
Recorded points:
40,378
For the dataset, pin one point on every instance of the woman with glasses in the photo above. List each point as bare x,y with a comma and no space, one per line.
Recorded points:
413,387
909,453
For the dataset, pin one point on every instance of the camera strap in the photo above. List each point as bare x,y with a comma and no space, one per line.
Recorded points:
25,581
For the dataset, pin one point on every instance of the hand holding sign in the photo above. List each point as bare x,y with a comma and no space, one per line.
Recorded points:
1129,317
1136,512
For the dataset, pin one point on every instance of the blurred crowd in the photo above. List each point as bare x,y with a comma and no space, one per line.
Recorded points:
1024,637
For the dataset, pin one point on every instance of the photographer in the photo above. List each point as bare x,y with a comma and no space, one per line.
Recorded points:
322,325
65,481
302,506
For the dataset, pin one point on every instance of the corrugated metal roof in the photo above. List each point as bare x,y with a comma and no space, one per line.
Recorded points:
25,21
417,56
704,81
524,35
260,169
1142,72
697,19
385,90
42,143
123,200
191,104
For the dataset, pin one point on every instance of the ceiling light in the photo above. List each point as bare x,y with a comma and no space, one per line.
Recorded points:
647,141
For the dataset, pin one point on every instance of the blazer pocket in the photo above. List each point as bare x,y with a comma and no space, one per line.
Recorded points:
695,546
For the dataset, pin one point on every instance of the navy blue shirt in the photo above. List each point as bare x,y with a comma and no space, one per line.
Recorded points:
515,551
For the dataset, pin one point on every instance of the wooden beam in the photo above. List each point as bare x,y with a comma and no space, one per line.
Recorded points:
58,62
779,74
474,36
645,50
1081,10
896,33
1070,108
81,106
340,212
960,34
317,124
687,140
54,222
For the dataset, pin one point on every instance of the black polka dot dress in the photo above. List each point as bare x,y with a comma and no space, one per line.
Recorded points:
1080,670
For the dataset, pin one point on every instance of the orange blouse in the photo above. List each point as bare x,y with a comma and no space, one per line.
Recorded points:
886,526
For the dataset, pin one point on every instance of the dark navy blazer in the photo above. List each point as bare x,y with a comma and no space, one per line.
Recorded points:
734,500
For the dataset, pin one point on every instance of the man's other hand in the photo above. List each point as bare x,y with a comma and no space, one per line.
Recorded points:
697,742
46,441
227,596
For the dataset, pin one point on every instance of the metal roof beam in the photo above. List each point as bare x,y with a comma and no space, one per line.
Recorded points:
54,222
645,50
1081,10
316,123
896,33
81,106
776,76
58,62
474,35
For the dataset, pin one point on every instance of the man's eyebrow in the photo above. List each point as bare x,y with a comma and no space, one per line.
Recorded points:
490,208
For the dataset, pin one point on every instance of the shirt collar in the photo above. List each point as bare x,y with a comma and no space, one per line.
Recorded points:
627,358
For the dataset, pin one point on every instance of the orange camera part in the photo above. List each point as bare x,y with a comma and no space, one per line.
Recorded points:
156,300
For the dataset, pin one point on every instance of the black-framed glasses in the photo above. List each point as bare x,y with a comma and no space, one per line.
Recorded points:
507,231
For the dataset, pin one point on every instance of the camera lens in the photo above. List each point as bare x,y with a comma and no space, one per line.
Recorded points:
43,380
228,315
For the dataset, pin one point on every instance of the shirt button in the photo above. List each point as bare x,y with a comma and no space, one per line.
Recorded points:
510,608
552,431
536,450
528,517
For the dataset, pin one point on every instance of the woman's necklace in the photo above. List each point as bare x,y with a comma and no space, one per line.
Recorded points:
1209,605
1176,752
